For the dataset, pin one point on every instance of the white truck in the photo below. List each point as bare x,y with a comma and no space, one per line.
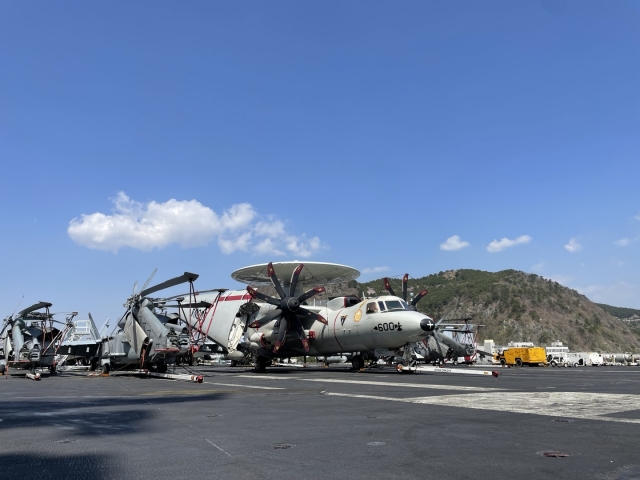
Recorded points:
579,359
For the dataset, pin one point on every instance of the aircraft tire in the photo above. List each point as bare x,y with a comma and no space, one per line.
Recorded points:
261,364
162,368
357,362
106,368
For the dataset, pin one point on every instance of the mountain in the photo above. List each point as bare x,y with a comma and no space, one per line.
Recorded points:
517,306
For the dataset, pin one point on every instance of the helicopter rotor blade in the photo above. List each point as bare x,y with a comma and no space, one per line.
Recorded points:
33,308
149,279
17,306
185,277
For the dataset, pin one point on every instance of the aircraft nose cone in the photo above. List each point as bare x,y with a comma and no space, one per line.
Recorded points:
427,325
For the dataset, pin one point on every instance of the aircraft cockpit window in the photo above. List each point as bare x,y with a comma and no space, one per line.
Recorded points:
382,307
404,304
394,305
372,307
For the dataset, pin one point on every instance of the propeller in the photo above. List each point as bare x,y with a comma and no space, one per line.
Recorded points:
405,282
289,308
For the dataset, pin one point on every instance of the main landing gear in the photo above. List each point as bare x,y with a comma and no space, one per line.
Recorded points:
357,362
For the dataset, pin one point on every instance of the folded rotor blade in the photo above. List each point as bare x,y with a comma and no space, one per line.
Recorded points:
309,314
33,308
274,279
387,286
146,284
303,337
256,294
294,279
185,277
418,297
262,321
310,293
201,304
405,281
282,334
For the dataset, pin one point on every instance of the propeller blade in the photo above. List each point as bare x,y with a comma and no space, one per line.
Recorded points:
309,314
294,279
256,294
387,286
282,334
418,297
33,308
185,277
274,279
303,337
135,286
262,321
405,281
146,284
310,293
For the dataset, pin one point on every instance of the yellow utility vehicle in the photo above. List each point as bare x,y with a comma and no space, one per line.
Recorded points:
532,356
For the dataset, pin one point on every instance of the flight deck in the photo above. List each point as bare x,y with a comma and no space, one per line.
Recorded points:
324,423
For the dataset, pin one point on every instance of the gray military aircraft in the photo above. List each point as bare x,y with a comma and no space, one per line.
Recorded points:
438,347
288,325
29,340
145,337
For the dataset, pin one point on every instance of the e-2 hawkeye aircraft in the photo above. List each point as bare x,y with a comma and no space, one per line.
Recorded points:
289,326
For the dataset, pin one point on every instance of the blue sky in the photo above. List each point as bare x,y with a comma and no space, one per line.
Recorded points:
393,137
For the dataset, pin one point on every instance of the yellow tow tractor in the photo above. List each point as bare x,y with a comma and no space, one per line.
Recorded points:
532,356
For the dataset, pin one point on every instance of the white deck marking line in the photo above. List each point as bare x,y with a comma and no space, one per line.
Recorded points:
218,447
408,385
244,386
384,384
581,405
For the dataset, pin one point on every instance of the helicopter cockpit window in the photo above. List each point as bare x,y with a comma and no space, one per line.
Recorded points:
404,304
382,307
372,307
394,305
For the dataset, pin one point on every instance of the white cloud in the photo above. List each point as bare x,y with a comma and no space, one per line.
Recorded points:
573,246
637,217
538,267
188,223
453,243
625,242
620,294
499,245
374,270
